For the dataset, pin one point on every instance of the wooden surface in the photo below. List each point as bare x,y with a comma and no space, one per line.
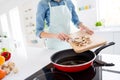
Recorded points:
96,41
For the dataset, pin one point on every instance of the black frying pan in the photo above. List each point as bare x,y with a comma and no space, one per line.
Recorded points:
69,61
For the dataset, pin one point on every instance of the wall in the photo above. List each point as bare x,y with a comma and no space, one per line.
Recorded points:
0,29
28,22
9,4
87,12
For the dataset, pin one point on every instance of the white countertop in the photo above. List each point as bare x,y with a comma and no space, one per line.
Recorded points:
106,29
36,58
111,59
30,62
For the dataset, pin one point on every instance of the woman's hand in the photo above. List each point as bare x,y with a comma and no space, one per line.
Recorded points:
86,29
62,36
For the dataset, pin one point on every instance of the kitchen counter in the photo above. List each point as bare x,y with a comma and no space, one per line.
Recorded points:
111,73
35,58
106,29
29,62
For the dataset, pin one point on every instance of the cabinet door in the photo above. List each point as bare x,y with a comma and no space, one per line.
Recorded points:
109,37
117,42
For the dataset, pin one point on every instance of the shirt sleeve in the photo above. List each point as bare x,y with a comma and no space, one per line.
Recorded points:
75,18
40,17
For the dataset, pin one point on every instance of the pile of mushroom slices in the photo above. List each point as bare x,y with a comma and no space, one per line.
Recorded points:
81,40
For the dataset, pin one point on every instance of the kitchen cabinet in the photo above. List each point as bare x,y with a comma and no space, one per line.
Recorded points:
117,41
109,36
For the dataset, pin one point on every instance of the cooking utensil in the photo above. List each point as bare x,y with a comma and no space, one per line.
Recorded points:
96,41
68,61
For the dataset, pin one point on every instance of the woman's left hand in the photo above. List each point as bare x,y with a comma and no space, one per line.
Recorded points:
86,29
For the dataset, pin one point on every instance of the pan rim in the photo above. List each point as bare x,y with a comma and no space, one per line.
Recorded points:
77,64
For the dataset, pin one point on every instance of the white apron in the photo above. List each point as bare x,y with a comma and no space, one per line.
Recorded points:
60,18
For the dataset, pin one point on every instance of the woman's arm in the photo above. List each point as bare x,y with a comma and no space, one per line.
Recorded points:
61,36
83,27
40,17
77,22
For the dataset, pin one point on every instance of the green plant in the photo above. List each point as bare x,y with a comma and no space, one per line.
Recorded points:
98,23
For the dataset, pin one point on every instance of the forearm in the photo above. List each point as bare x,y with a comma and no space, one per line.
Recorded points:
48,35
60,36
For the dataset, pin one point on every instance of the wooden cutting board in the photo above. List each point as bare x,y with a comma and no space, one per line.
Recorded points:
96,41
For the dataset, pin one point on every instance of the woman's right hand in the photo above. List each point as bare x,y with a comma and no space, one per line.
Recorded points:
62,36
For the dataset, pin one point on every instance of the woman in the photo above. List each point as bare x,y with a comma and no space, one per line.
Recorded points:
57,14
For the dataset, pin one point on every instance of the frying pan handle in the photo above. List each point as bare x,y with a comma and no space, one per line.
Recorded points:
102,47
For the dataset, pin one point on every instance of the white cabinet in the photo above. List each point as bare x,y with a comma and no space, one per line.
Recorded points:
117,41
109,37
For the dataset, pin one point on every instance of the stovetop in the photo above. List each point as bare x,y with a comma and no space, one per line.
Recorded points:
50,73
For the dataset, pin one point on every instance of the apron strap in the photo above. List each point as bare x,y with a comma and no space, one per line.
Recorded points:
65,2
49,4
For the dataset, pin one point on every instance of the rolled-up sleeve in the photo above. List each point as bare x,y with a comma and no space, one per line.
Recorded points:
40,17
75,18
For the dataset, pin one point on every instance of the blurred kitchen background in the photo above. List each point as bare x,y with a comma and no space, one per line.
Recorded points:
17,22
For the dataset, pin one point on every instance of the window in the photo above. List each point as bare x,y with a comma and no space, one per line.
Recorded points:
16,26
4,25
109,12
17,31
